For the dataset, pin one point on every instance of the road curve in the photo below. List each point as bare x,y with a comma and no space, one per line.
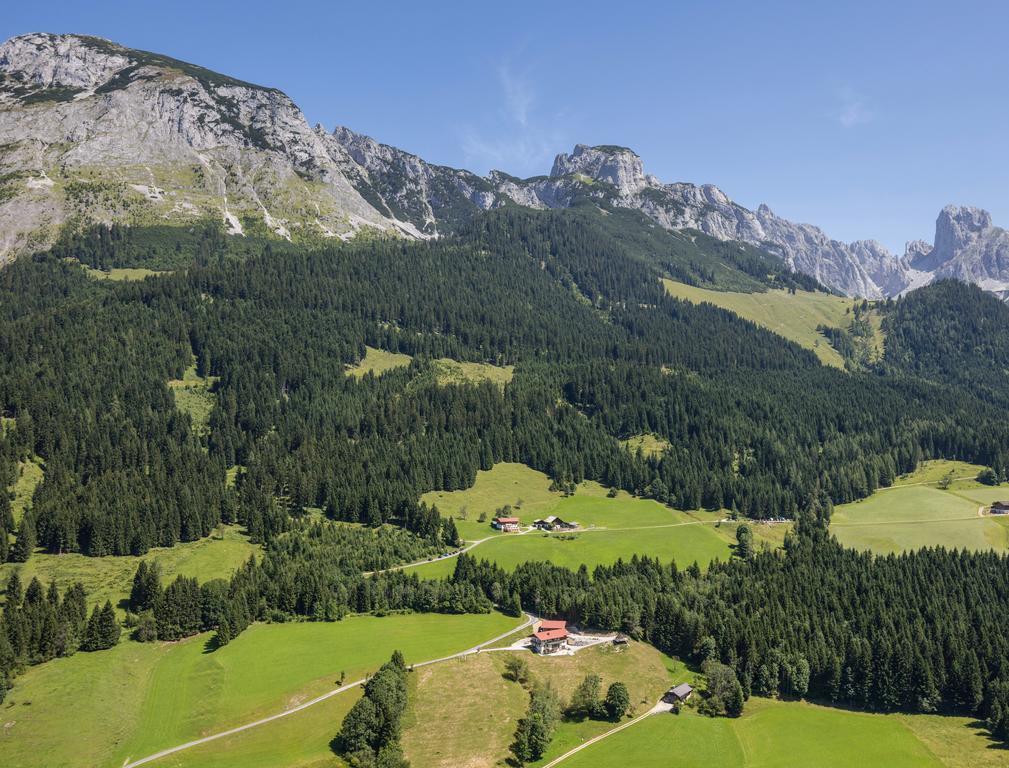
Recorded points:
530,619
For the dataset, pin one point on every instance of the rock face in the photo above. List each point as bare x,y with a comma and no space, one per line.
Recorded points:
91,131
616,174
967,247
432,198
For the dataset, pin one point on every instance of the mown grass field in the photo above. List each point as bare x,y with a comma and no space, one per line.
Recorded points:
915,513
794,316
452,723
610,528
770,734
139,698
110,578
525,489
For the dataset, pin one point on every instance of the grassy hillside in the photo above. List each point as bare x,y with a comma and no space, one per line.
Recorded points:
125,273
30,474
450,371
110,578
445,370
158,695
609,527
916,513
794,316
525,489
450,723
770,734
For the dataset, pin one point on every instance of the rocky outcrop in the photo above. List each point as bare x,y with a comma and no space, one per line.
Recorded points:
967,247
616,174
433,198
91,131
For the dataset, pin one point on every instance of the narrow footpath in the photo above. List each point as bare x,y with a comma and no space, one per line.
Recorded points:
660,707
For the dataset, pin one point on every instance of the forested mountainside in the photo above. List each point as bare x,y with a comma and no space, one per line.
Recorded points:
574,300
600,353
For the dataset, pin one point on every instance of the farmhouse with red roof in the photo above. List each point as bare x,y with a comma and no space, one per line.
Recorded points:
550,637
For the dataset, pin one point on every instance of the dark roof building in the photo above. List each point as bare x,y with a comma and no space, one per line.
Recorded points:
682,692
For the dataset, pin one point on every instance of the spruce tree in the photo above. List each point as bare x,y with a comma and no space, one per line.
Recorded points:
617,702
25,542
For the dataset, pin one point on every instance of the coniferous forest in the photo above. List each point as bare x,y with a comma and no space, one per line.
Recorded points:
573,300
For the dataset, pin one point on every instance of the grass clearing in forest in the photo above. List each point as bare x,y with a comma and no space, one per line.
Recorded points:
792,315
770,734
610,527
110,578
378,361
449,371
125,274
915,512
193,396
649,445
30,474
137,698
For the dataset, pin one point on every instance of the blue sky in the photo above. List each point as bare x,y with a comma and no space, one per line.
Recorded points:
862,118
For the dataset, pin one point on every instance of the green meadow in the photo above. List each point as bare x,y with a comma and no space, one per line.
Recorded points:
794,316
30,474
609,527
916,513
451,722
136,699
125,274
770,734
193,396
110,578
445,370
378,361
649,445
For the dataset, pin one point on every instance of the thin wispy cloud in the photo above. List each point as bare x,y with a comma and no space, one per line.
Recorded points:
519,140
853,109
518,95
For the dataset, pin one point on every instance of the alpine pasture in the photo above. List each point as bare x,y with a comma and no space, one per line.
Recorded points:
140,698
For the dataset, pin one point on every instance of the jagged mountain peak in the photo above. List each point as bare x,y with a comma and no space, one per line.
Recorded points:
614,165
957,226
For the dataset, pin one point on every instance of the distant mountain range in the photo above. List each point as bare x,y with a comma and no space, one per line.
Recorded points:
91,131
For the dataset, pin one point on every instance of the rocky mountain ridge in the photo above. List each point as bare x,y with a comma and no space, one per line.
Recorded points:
91,131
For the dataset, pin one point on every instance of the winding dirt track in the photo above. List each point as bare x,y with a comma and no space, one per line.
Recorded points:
530,619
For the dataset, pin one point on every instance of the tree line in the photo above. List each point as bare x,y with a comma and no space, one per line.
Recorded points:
38,624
